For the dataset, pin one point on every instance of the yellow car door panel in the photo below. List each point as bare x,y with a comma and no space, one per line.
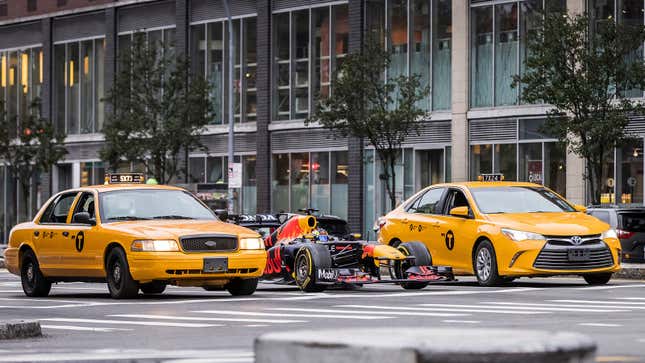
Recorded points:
85,249
423,225
49,236
458,233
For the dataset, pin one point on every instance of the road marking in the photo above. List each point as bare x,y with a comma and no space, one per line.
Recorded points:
608,287
130,322
603,302
344,311
585,306
462,321
468,310
241,320
631,298
83,328
519,306
256,325
618,358
326,316
601,324
214,356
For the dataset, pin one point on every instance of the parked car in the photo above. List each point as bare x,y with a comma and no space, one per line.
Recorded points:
629,223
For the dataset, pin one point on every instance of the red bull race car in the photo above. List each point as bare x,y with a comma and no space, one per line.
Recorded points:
300,251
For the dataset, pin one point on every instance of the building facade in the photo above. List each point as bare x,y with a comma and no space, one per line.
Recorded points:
286,51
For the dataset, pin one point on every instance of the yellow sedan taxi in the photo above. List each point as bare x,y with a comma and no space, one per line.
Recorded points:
499,231
134,237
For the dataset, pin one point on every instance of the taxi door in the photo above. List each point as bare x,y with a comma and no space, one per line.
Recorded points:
421,224
84,252
50,235
457,234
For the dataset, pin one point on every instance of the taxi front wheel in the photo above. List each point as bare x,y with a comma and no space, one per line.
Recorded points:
155,287
485,265
241,287
34,284
598,279
120,282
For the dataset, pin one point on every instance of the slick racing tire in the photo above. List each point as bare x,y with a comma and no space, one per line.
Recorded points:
421,258
34,284
242,287
598,279
308,259
151,288
119,281
485,265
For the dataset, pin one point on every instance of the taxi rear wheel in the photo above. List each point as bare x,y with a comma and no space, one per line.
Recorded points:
241,287
597,279
421,258
34,284
155,287
120,282
485,265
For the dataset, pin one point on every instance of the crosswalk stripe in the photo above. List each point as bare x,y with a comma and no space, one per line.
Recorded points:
570,305
601,325
631,298
529,308
326,316
603,302
212,356
365,311
465,310
192,318
83,328
461,321
130,322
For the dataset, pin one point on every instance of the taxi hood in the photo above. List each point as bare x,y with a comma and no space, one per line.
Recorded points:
550,224
166,229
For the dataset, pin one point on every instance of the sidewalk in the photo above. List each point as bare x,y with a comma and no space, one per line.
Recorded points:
632,271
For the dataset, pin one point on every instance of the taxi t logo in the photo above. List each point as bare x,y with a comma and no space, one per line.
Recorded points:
80,241
450,240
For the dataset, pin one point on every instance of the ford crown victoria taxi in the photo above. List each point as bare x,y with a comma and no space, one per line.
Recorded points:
499,231
134,237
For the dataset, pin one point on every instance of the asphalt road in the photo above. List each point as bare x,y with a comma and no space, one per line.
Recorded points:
190,325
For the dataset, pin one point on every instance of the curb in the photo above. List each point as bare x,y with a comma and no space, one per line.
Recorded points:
420,345
18,329
632,271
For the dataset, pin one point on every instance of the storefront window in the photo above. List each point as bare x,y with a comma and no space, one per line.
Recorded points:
481,160
629,188
369,194
320,186
299,181
249,186
555,167
608,180
339,182
215,169
92,173
280,183
530,160
196,169
430,166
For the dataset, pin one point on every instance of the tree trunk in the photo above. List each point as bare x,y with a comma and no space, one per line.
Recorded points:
595,180
393,176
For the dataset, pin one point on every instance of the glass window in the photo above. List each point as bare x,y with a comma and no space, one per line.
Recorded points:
215,170
87,99
632,221
408,173
86,204
73,93
122,205
339,183
282,66
430,167
280,182
299,181
250,57
631,14
441,54
320,188
608,180
398,21
321,54
369,198
341,32
631,173
23,94
429,202
482,56
197,171
59,210
518,200
301,64
506,43
215,70
249,188
529,26
420,52
531,163
555,167
481,160
506,161
99,87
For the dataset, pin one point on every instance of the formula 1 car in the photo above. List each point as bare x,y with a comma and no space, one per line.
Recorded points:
298,251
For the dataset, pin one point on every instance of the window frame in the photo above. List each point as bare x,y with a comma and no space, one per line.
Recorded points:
53,205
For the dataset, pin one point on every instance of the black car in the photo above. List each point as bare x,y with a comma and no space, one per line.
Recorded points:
629,223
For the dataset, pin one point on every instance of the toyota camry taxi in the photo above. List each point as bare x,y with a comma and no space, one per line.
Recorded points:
499,231
135,237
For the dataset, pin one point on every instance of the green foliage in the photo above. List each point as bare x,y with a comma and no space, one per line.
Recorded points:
29,145
365,106
587,76
156,110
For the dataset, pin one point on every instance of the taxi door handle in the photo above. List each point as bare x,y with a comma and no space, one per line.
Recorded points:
65,233
405,220
436,225
36,233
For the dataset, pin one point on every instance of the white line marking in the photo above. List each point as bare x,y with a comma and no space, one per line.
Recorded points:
129,322
608,287
585,306
462,310
83,328
625,304
601,324
529,308
242,320
215,356
256,325
345,311
631,298
462,321
326,316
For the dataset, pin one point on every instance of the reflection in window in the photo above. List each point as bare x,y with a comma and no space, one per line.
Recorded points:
320,190
249,188
21,81
505,161
481,160
441,54
398,25
92,173
506,40
631,173
481,56
555,167
280,183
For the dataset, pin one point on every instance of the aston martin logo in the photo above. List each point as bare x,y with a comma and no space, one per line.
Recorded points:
576,240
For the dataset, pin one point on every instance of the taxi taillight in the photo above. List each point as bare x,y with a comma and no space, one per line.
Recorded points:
622,234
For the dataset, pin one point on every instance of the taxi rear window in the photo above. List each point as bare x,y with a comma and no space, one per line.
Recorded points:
632,221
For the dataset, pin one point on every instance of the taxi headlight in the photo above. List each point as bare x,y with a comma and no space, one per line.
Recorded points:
251,244
610,233
518,236
155,245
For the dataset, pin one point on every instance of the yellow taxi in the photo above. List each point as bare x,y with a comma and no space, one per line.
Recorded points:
500,231
135,237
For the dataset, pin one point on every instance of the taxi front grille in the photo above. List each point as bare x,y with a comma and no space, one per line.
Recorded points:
209,243
556,257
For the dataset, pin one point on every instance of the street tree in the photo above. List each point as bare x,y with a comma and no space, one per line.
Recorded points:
366,105
156,108
29,145
586,73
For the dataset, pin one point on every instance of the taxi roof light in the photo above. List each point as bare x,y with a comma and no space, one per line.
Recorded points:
124,178
491,177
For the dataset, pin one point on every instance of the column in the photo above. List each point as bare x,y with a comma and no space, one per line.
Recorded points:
460,90
46,97
263,80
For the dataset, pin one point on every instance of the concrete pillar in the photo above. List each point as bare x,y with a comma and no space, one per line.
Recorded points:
46,97
263,81
460,90
355,195
182,49
576,184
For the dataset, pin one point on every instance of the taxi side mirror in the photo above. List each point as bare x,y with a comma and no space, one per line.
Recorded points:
460,212
83,218
580,208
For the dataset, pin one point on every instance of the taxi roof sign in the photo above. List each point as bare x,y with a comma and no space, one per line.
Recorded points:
125,178
493,177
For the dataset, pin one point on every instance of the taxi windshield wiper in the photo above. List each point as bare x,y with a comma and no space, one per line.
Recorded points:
172,217
127,218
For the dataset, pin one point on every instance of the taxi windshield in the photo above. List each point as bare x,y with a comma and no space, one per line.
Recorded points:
139,204
518,200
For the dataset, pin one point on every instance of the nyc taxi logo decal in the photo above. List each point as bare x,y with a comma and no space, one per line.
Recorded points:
450,240
416,227
80,241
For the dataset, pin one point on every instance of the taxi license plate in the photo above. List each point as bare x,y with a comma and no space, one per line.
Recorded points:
215,264
578,254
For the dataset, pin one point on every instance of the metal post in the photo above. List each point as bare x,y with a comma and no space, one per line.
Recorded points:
231,117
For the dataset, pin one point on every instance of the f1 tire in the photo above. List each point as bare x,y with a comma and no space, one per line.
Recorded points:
485,265
242,287
34,284
155,287
598,279
119,281
421,258
308,259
